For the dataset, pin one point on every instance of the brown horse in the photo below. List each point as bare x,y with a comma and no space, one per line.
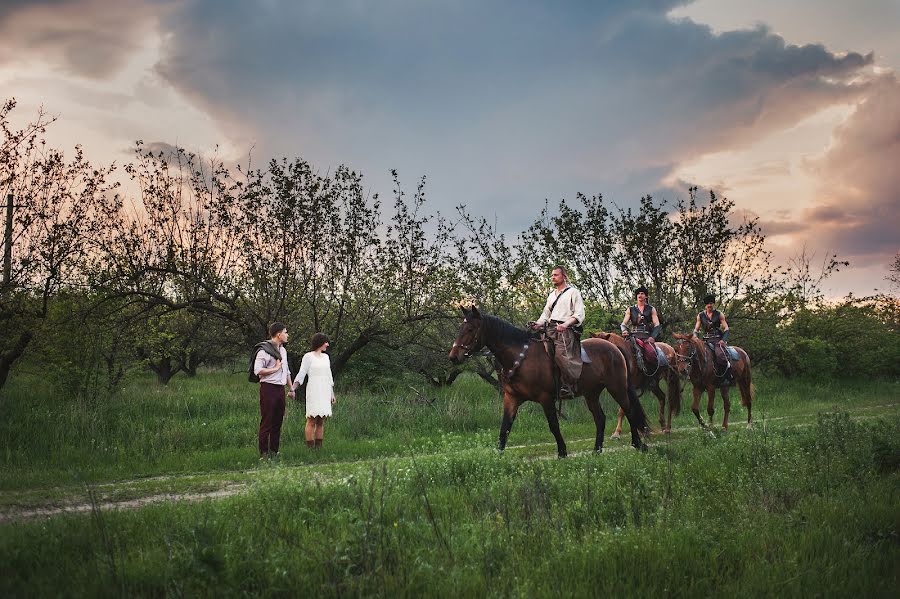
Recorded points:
697,361
527,375
638,379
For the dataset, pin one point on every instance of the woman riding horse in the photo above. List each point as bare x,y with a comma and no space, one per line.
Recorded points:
697,360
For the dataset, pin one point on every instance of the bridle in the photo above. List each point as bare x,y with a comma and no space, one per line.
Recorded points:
690,358
476,345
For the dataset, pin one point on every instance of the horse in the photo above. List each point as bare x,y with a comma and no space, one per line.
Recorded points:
697,361
638,379
527,375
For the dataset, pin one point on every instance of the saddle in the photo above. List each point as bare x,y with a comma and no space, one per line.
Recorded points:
650,358
722,359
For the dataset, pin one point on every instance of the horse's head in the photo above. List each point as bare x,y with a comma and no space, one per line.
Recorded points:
686,349
469,339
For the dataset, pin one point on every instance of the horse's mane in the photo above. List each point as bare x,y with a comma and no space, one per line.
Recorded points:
503,331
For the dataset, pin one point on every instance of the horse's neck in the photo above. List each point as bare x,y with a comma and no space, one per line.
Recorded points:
506,353
703,356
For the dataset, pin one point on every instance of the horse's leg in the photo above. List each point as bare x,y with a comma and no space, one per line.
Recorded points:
662,407
634,414
510,409
726,406
553,420
618,430
710,402
593,404
695,406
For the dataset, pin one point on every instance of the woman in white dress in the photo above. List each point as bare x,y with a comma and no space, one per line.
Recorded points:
319,390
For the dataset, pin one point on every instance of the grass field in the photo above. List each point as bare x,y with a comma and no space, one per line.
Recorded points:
408,497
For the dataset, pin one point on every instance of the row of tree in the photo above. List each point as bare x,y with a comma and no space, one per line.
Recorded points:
191,269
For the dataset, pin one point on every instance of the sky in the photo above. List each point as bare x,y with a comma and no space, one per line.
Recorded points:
790,109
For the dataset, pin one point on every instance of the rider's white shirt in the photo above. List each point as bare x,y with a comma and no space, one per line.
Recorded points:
571,304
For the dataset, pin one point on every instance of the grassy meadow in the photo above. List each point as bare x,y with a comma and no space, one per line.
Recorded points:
409,498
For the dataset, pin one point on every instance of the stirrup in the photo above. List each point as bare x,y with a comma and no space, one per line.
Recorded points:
566,392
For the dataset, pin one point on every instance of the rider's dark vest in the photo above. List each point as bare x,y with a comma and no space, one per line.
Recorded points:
711,327
641,322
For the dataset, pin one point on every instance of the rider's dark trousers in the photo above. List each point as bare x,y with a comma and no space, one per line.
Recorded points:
568,354
271,412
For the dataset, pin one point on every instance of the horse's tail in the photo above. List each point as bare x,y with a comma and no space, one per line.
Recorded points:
638,413
674,391
747,386
751,395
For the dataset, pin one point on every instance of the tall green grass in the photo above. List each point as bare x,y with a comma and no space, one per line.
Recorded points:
208,424
809,511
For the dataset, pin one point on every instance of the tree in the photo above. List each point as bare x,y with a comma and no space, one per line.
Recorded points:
285,243
894,276
679,255
61,205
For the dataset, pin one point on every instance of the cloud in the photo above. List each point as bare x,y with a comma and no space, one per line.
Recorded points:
501,104
496,101
859,198
88,38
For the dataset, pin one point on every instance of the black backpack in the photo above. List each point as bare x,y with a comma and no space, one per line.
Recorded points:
267,347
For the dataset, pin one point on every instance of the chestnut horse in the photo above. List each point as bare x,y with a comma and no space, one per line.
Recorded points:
696,360
638,379
527,375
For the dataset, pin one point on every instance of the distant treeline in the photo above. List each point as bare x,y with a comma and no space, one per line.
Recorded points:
190,271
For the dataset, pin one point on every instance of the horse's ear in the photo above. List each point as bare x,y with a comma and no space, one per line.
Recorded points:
464,311
475,312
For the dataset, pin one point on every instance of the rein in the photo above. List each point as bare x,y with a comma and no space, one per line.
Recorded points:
689,358
479,343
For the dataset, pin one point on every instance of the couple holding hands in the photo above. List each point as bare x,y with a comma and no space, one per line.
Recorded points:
274,375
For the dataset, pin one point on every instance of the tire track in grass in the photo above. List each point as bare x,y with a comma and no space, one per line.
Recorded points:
229,490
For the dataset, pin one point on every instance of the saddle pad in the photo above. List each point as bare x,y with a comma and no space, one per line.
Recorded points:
584,357
661,358
732,353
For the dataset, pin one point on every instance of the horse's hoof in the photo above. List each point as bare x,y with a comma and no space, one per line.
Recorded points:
598,450
561,455
615,435
667,431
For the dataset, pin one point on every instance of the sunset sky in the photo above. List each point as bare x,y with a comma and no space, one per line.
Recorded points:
791,109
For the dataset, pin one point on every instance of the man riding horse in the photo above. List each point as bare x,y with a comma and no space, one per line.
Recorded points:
712,324
563,315
641,325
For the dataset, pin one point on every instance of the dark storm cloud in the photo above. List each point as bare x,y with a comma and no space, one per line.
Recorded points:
516,99
502,104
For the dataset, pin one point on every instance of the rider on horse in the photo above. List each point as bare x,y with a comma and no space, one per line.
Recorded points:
642,322
712,324
564,313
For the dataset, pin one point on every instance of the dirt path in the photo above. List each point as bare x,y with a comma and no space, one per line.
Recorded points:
230,489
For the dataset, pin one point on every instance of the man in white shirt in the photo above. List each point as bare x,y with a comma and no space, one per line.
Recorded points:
564,313
274,376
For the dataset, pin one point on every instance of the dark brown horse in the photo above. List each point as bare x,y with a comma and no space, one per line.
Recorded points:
639,380
527,375
697,361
